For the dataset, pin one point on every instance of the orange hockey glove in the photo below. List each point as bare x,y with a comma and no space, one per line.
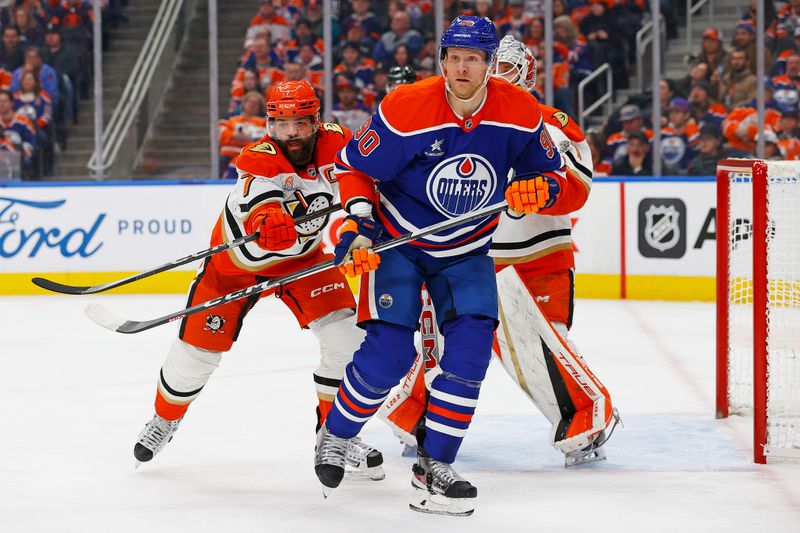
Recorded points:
353,253
276,230
526,196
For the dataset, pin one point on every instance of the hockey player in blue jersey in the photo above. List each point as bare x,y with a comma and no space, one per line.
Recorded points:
434,150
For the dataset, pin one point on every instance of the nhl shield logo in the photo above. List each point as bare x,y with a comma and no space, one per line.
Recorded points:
662,227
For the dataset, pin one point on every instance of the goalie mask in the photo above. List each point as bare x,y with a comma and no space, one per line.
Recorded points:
293,120
515,63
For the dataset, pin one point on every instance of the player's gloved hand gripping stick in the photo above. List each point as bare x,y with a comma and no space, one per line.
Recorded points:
109,320
256,235
526,196
353,254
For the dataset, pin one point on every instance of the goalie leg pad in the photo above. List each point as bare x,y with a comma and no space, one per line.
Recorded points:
183,375
557,381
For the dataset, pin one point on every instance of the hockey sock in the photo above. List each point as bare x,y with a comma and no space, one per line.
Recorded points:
385,356
454,393
183,375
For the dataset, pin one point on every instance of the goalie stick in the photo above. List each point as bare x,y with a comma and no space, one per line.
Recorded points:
107,319
54,286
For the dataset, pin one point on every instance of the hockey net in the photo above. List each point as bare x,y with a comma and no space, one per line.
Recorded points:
758,301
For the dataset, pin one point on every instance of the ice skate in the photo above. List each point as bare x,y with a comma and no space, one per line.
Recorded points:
594,452
330,459
363,462
155,435
440,490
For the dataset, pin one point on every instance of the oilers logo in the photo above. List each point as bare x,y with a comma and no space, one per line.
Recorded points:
461,185
673,149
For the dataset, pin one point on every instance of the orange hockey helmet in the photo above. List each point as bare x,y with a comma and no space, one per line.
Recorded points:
292,99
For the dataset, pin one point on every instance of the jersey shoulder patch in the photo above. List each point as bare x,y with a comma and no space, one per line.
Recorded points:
262,158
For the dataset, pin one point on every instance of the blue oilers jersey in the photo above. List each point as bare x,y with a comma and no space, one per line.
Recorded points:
430,165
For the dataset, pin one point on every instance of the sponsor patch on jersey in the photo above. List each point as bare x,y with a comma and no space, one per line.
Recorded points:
461,184
435,149
385,301
214,324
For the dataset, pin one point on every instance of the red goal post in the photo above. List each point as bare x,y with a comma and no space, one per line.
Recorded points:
758,301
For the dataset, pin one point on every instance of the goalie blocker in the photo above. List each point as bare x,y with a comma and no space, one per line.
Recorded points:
538,359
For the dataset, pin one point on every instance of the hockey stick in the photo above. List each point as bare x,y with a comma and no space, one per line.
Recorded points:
109,320
71,289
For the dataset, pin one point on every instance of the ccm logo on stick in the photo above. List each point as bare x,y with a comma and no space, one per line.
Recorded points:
327,288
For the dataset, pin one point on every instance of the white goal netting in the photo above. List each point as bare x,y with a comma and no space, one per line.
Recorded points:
782,239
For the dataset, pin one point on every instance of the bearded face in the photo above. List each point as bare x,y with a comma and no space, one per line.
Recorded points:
296,137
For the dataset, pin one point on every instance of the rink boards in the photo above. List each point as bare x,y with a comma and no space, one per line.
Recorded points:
639,238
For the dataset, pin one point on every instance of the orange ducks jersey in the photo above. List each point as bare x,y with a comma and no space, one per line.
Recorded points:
267,177
544,243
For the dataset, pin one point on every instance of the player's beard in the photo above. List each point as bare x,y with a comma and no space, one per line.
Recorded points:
300,151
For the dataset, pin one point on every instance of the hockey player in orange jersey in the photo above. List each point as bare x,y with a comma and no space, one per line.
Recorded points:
540,250
287,173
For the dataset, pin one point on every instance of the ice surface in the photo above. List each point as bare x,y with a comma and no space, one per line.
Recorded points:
75,396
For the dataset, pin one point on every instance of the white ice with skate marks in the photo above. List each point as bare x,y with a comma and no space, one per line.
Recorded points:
75,397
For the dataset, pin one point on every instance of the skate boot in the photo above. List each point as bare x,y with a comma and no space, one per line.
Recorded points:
330,459
440,490
363,461
155,435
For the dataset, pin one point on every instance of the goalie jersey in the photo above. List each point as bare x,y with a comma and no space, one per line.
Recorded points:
266,176
431,165
545,239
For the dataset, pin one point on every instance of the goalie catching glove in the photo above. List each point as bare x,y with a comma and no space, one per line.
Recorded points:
526,196
275,228
353,254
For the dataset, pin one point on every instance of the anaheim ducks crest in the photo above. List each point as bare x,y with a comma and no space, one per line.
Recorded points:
303,204
214,324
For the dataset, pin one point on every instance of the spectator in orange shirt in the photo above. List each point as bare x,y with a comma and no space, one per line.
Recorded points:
249,82
241,130
280,30
741,126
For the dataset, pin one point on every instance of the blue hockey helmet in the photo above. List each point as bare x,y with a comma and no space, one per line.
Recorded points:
470,32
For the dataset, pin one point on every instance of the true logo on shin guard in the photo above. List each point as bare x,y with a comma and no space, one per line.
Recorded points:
214,324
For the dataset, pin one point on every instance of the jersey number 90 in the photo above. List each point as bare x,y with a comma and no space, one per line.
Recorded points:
367,139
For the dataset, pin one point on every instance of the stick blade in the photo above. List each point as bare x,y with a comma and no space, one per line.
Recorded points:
103,317
54,286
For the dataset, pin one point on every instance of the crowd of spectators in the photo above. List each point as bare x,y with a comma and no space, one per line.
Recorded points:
707,114
711,112
45,70
284,41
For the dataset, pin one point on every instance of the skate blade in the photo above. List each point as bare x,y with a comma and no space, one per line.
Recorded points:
326,491
375,473
585,458
136,464
425,502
